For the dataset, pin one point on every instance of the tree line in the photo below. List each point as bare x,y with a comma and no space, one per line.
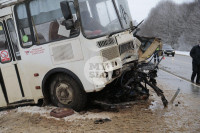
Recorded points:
176,24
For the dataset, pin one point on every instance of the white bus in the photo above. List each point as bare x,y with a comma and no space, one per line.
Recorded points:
45,46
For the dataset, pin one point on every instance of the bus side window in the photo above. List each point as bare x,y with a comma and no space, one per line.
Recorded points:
13,39
4,51
23,25
47,18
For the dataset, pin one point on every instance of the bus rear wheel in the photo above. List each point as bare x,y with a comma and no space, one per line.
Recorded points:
66,92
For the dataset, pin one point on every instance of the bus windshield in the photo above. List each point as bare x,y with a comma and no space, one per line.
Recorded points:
99,17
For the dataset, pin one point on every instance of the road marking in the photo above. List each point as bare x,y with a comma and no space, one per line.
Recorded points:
179,77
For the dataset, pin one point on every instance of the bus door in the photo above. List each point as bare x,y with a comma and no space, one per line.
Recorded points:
11,89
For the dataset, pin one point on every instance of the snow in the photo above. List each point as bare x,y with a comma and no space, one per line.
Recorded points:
35,110
183,53
2,113
5,2
45,112
88,115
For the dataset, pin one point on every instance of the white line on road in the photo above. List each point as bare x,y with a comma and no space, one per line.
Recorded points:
179,77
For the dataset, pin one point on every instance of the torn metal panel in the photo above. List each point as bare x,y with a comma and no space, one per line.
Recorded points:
148,47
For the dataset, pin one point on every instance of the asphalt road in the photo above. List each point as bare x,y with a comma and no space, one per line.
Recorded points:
175,72
179,65
183,115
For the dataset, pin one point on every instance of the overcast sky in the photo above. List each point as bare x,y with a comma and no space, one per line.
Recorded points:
141,8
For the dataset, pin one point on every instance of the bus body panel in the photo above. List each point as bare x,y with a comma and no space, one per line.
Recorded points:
11,82
5,11
71,54
24,80
2,98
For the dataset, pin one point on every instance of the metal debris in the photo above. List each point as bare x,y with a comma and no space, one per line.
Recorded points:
175,95
101,121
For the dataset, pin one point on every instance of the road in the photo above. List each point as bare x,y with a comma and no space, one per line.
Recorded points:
148,116
179,65
176,73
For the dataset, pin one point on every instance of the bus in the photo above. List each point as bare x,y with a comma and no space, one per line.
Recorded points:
52,49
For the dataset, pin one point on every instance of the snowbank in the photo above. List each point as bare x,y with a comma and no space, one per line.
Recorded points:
45,112
3,113
35,110
183,53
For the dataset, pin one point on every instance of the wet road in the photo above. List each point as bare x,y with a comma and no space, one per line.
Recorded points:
171,82
175,73
179,65
150,116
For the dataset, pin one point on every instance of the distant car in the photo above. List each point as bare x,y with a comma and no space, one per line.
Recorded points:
168,50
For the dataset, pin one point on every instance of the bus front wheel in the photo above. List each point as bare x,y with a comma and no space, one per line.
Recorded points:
66,92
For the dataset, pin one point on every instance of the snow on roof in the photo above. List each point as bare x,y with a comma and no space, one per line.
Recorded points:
5,3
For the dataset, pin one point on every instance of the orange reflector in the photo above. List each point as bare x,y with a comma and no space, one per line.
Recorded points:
37,87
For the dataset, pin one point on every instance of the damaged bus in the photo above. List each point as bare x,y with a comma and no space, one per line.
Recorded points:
60,50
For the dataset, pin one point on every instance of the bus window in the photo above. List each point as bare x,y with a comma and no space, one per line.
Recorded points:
13,36
124,12
98,17
23,26
106,14
4,52
47,18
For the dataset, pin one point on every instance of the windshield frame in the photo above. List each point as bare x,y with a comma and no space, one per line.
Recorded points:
107,34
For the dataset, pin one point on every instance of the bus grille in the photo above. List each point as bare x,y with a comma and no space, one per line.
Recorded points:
110,53
126,47
106,42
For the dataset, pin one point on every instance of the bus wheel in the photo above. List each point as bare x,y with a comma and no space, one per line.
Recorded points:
66,92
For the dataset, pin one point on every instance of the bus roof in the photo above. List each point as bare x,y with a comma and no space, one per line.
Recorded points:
6,3
5,11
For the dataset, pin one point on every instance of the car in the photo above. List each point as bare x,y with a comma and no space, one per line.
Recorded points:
168,50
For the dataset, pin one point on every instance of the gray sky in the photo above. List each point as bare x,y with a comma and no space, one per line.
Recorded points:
141,8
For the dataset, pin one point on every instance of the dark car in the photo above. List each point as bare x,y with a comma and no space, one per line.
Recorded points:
168,50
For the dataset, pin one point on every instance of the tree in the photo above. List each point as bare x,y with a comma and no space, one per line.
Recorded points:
175,24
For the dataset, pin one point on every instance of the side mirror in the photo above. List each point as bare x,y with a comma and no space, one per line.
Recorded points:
66,11
69,24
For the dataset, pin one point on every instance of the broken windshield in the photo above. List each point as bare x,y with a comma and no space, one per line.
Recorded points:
124,12
98,17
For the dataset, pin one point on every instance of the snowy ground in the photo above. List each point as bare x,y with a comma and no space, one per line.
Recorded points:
149,116
183,53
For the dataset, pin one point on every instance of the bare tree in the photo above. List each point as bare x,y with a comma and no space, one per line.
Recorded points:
177,25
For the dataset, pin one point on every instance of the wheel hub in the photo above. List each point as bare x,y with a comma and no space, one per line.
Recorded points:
64,93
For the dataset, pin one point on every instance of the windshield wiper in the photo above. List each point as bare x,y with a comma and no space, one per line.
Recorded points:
115,32
132,28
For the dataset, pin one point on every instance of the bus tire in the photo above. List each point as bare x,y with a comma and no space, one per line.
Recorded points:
66,92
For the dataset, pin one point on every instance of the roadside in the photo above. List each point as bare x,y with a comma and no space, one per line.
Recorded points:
183,53
180,66
150,116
